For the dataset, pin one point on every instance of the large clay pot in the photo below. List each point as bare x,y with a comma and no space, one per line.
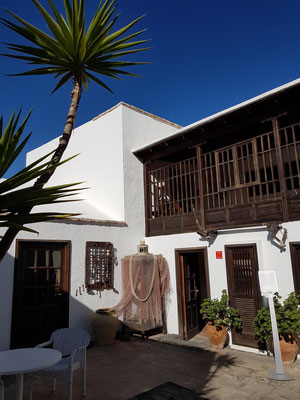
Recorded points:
216,338
289,350
105,325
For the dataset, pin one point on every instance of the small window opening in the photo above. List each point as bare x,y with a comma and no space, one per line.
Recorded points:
99,265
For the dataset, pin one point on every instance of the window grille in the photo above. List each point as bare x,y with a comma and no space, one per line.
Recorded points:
99,265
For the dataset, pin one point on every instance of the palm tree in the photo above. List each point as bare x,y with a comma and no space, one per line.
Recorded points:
16,197
74,53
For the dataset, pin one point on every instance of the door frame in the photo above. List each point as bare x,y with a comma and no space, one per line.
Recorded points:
295,265
180,282
18,277
230,283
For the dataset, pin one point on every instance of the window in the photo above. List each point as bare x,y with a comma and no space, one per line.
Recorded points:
43,272
99,265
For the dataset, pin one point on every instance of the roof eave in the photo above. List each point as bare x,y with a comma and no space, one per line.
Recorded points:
137,152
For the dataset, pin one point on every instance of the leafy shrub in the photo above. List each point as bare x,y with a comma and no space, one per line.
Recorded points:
219,313
287,316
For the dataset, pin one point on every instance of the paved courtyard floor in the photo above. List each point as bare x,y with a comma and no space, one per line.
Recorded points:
125,369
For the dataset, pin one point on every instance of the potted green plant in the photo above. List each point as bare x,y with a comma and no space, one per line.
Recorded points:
288,323
105,325
221,318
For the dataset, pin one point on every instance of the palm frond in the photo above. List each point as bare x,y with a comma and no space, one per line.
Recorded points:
17,195
62,81
72,50
10,147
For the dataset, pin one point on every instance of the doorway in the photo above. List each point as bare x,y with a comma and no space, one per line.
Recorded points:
41,291
295,255
243,289
192,288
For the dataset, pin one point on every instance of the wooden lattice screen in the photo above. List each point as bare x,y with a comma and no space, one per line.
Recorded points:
173,189
241,174
253,181
290,150
99,265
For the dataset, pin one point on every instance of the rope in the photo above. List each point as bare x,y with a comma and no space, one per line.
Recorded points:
131,280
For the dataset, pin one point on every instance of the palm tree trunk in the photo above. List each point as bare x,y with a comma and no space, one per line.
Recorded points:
11,233
64,139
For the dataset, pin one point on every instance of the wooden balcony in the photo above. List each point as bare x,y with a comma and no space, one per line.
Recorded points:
252,182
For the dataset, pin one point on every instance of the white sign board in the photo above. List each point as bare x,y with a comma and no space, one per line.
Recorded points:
267,282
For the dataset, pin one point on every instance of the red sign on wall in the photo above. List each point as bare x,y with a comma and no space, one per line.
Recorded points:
219,255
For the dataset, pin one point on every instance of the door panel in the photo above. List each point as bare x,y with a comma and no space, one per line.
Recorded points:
243,288
41,291
190,280
192,288
295,255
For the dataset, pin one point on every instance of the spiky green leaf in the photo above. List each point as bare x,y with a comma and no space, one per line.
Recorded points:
70,50
17,195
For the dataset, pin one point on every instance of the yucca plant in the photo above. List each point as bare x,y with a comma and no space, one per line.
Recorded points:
16,198
72,52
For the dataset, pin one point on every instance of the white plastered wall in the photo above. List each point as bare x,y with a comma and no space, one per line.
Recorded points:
115,176
120,172
137,130
99,165
270,257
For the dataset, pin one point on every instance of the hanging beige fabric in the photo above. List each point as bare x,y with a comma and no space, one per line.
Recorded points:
146,286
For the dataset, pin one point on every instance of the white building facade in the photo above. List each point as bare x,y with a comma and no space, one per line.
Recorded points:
112,211
234,178
152,180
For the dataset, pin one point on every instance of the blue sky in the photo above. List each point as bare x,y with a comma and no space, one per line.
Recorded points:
206,56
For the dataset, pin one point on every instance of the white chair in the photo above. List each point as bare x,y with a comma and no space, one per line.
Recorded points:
72,344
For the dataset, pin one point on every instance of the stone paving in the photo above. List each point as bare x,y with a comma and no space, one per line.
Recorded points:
125,369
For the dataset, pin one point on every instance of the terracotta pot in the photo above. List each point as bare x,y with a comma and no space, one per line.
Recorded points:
105,325
289,350
216,338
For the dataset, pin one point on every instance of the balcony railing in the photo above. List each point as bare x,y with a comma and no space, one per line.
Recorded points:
173,189
241,174
234,183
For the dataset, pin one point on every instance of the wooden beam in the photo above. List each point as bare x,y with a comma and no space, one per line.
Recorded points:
169,149
236,120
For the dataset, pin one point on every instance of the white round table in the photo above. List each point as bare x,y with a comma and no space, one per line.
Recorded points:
20,361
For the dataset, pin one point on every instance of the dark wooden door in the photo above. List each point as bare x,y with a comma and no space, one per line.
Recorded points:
192,288
295,255
243,288
41,291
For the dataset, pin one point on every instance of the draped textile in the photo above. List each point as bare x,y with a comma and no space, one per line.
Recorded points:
146,286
